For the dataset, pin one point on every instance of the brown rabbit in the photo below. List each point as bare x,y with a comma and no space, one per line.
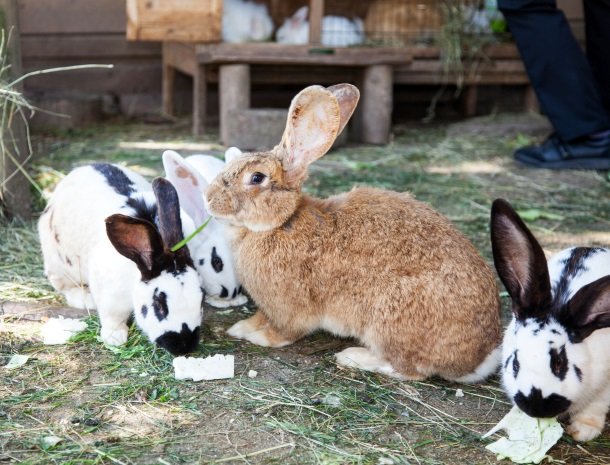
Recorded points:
371,264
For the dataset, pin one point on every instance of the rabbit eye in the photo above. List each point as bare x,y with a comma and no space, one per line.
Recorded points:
559,362
257,178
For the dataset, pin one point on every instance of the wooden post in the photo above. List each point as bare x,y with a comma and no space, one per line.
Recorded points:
377,104
316,13
15,196
469,99
234,90
200,99
530,101
169,74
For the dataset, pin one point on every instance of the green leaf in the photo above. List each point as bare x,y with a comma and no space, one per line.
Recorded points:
184,241
48,442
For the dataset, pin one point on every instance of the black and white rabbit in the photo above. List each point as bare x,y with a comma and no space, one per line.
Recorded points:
210,249
106,239
556,350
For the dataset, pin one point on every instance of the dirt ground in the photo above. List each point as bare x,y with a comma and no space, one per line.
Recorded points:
84,403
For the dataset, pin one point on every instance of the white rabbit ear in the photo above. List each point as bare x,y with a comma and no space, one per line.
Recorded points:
301,14
313,124
231,154
189,184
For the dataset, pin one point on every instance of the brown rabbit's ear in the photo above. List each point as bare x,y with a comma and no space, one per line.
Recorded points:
314,119
347,96
520,262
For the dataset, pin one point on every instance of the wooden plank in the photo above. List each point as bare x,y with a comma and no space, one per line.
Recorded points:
494,51
93,47
72,16
37,311
180,56
272,53
175,20
126,77
15,196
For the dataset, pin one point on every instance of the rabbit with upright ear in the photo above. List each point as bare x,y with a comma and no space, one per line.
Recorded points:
556,357
371,264
103,250
337,31
210,248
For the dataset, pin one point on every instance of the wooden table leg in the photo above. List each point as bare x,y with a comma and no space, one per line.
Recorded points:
234,90
530,100
199,100
169,74
377,100
470,95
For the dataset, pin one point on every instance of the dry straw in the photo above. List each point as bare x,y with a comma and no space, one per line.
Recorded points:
15,109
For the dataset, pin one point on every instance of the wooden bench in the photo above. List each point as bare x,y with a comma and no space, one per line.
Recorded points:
495,64
234,60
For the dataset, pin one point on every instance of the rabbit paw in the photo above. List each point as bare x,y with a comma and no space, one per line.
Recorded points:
249,330
116,336
363,359
585,428
224,303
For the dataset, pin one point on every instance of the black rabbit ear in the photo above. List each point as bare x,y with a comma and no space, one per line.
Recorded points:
588,310
520,262
170,224
137,240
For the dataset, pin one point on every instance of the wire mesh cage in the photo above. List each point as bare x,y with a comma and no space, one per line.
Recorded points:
355,22
401,22
412,22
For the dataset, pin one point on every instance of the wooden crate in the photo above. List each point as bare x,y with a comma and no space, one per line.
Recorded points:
174,20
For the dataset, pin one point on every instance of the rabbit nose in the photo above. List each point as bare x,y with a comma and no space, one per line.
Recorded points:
180,343
537,406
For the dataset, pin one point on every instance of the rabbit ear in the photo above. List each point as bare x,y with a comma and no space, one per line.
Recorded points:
138,240
520,262
312,126
301,14
231,154
170,223
189,184
347,95
588,310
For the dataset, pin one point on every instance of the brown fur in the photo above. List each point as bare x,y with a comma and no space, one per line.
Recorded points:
373,264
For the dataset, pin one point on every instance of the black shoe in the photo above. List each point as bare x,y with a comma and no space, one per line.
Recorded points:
586,153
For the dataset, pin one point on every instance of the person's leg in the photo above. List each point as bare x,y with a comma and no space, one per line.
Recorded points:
597,28
565,84
557,67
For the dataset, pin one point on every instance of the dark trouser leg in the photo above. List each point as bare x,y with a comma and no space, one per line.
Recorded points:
597,17
560,73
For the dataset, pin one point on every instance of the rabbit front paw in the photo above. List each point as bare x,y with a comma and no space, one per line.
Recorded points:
585,428
115,336
363,359
257,331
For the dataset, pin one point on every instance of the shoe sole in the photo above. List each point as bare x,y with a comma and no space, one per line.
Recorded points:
570,163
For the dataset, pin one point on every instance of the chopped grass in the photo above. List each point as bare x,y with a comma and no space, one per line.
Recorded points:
123,405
